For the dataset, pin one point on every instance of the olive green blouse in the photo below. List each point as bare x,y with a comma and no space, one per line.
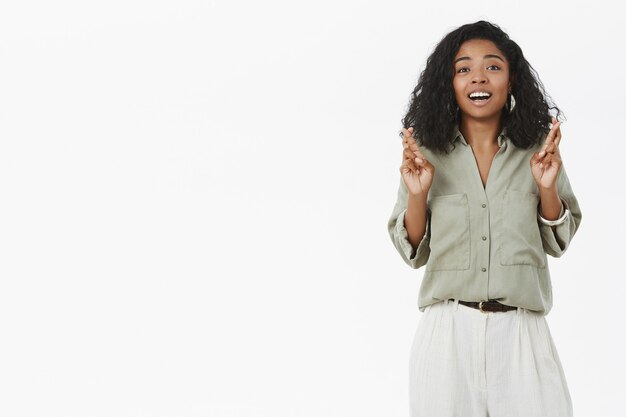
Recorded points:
485,243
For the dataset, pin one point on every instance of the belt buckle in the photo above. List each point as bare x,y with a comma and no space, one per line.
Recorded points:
480,307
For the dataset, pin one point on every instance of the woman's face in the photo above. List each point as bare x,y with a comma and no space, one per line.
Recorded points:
480,66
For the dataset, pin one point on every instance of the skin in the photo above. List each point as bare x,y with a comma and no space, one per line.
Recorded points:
479,65
475,68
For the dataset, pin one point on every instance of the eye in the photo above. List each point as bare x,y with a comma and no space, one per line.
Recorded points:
493,66
461,69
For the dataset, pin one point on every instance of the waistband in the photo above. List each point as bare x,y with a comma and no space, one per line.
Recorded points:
488,306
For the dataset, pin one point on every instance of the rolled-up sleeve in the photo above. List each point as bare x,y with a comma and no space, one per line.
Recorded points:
414,257
556,239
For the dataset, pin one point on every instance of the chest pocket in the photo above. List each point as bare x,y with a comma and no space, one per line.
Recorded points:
519,236
450,233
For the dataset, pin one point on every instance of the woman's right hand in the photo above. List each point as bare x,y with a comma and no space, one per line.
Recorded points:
416,171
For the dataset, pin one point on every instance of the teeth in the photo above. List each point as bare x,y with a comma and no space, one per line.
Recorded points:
480,94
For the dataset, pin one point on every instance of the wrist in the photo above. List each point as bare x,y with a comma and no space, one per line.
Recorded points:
549,189
423,194
565,212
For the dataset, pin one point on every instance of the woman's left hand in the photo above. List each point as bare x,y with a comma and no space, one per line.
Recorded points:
546,163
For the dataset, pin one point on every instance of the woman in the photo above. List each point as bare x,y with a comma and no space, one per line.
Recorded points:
483,198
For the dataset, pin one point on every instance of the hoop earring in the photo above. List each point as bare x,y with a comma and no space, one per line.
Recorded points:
512,101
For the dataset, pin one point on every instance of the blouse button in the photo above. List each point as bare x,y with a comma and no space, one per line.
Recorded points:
484,237
484,269
484,205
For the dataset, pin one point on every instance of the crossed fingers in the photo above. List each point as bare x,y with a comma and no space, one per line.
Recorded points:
411,150
551,145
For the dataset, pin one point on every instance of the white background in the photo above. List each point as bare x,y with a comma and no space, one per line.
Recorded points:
194,198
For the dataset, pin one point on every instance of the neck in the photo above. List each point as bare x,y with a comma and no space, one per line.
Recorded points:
481,134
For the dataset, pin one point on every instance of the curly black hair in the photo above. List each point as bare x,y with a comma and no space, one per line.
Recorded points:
433,110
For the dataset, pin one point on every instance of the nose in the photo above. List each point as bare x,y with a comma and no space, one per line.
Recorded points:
478,77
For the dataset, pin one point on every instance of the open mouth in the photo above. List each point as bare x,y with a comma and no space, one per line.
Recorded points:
480,96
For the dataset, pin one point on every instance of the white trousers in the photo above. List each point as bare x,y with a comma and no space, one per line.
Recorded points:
466,363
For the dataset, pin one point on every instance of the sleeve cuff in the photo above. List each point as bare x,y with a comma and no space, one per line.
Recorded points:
562,216
422,250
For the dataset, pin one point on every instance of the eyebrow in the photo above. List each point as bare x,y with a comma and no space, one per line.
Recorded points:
486,56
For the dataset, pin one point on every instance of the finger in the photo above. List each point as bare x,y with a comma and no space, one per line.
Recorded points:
406,142
416,150
407,137
419,159
551,148
406,166
547,161
557,139
547,146
413,166
427,166
412,145
554,122
536,158
552,131
409,154
542,158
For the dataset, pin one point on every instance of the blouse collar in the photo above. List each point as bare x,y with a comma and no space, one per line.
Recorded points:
502,137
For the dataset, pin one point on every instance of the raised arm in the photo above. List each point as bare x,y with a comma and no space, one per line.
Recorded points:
558,212
409,223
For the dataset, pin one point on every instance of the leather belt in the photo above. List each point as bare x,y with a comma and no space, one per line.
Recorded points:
488,306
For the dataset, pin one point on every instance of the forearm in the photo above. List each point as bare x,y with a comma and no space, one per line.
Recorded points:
550,203
415,218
